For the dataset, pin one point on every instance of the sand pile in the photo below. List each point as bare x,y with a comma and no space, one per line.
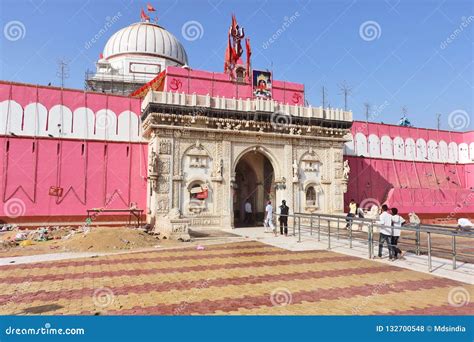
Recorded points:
109,239
73,239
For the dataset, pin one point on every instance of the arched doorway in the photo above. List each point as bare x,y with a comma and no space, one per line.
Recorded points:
254,182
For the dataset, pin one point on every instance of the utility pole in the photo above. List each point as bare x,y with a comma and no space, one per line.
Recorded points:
324,95
346,90
438,118
63,71
367,111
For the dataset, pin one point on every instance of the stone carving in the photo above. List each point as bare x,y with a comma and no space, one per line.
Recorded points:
295,171
165,147
162,205
218,170
163,184
153,163
174,214
347,170
164,166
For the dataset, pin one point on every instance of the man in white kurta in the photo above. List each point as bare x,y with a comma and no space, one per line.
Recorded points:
268,223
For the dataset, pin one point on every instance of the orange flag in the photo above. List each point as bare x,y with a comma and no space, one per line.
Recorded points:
144,16
150,8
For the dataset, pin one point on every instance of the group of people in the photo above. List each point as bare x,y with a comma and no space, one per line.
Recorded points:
389,232
268,219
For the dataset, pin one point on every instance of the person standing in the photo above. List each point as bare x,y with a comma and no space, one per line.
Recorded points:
284,211
352,212
268,223
397,222
248,212
385,234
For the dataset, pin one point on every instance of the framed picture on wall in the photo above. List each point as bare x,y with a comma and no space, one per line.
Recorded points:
262,84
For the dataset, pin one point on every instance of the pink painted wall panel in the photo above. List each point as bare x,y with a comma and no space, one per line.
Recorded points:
218,84
88,174
419,186
409,132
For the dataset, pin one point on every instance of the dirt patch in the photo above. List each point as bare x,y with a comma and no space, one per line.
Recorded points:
75,239
47,240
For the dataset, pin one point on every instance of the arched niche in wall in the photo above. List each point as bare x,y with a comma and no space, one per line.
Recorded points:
471,151
374,145
199,196
105,124
386,147
398,148
421,150
452,152
34,123
432,147
361,145
11,117
463,153
127,127
312,196
60,121
410,149
83,123
443,154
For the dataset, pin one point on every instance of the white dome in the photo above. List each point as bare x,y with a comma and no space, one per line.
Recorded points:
145,39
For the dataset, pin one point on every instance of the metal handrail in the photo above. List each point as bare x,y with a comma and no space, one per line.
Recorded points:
316,221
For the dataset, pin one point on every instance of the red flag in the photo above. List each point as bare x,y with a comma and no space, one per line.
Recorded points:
150,8
101,56
144,16
249,53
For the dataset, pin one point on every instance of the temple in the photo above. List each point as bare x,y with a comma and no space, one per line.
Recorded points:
192,146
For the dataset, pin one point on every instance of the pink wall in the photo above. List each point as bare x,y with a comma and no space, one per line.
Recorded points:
219,84
409,132
421,186
25,94
91,171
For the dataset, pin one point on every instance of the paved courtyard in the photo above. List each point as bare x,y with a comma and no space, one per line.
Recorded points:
232,278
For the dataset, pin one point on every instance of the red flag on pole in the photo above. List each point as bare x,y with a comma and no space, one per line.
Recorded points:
249,53
150,8
144,16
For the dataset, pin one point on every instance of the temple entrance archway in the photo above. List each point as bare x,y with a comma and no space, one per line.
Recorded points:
255,182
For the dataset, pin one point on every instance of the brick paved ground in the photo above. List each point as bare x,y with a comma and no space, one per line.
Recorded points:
233,278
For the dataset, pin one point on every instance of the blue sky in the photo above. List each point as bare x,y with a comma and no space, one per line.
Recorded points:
392,53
